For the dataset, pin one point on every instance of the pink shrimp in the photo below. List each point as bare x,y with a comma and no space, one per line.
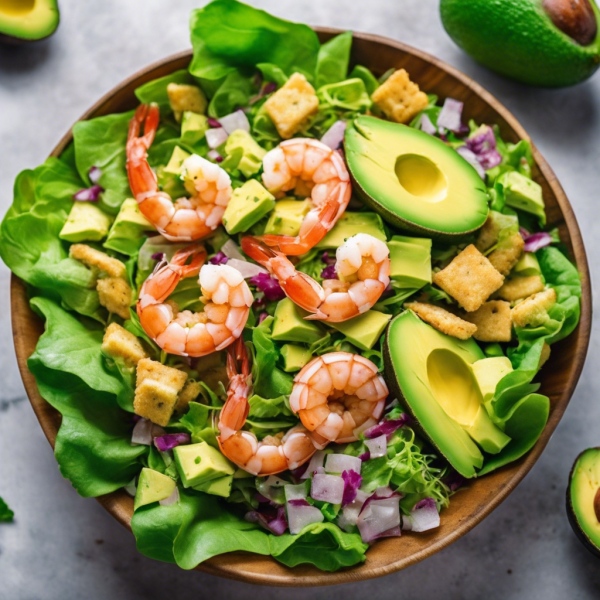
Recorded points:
310,168
187,219
226,296
362,264
271,455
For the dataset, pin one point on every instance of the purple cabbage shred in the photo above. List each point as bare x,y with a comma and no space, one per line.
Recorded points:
329,272
218,259
352,481
365,456
536,241
269,286
171,440
91,194
213,122
387,428
482,142
270,518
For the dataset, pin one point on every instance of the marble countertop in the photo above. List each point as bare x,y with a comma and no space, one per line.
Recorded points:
64,546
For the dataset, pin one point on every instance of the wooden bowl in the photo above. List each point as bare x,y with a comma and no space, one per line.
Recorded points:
559,377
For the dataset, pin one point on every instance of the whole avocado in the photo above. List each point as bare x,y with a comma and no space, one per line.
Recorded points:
550,43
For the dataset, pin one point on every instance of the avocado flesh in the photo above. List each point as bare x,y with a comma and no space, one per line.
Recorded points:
27,20
583,498
152,487
415,181
431,373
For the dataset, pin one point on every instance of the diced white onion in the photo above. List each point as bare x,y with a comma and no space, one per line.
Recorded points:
295,492
384,491
315,463
231,250
213,155
300,516
131,488
235,120
350,512
377,446
450,115
247,269
142,433
471,158
215,137
334,136
378,517
426,125
172,499
338,463
327,488
424,518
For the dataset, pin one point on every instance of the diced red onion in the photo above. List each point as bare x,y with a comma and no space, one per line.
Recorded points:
155,245
247,269
269,286
450,115
483,144
142,433
218,259
94,174
334,136
261,498
276,523
315,462
424,516
329,272
91,194
387,427
214,155
319,471
524,233
299,502
471,158
385,492
358,431
234,121
379,518
159,256
213,122
216,137
328,260
267,88
300,514
263,315
171,440
536,241
426,125
327,488
377,446
352,481
231,250
295,492
365,456
454,480
336,463
172,499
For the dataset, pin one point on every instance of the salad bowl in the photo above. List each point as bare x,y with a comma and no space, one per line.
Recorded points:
481,496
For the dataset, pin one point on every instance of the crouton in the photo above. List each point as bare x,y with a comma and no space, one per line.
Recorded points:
190,392
292,105
183,97
157,390
520,287
488,234
399,98
94,258
545,355
534,310
470,279
115,294
493,320
507,254
119,343
442,320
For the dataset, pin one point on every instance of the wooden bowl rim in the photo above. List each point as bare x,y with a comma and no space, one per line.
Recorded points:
120,506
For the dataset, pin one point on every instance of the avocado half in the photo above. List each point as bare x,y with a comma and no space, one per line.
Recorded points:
414,180
583,499
27,20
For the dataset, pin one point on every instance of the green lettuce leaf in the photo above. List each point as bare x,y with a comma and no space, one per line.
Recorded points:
333,59
156,90
155,528
6,515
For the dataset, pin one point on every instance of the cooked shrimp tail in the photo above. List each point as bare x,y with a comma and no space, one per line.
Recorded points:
362,263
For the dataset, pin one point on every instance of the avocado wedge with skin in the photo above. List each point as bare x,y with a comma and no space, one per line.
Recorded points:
27,20
414,180
583,499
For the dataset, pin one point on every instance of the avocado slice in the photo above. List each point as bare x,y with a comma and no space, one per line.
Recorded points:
583,499
217,487
431,374
242,144
351,223
527,265
152,487
488,373
410,261
523,193
86,222
294,357
193,127
363,331
287,217
199,463
27,20
289,324
247,206
414,180
127,232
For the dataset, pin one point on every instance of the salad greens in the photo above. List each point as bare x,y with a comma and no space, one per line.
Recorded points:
6,515
241,55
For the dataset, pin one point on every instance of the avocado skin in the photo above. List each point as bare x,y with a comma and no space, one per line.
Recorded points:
18,40
517,39
575,526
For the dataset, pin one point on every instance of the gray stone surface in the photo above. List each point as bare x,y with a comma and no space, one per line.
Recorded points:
63,546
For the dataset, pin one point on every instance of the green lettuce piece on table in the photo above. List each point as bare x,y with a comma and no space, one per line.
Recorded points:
6,515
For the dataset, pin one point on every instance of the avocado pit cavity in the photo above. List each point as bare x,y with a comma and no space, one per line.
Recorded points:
421,177
597,505
575,18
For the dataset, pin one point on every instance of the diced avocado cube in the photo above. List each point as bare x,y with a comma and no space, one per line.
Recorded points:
486,434
294,357
248,205
488,372
240,142
363,331
152,487
127,232
410,263
287,217
420,241
527,265
523,193
241,474
199,463
289,324
176,160
217,487
351,223
193,127
86,222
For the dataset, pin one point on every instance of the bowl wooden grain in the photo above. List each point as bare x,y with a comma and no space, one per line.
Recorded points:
559,377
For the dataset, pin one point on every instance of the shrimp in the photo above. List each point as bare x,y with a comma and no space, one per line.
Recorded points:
271,455
336,393
226,296
362,264
187,219
311,168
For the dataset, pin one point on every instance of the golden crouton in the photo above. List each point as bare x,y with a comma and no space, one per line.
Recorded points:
118,342
470,279
521,287
442,320
94,258
488,234
493,320
115,294
533,310
157,390
545,355
399,98
190,392
183,97
292,105
507,254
